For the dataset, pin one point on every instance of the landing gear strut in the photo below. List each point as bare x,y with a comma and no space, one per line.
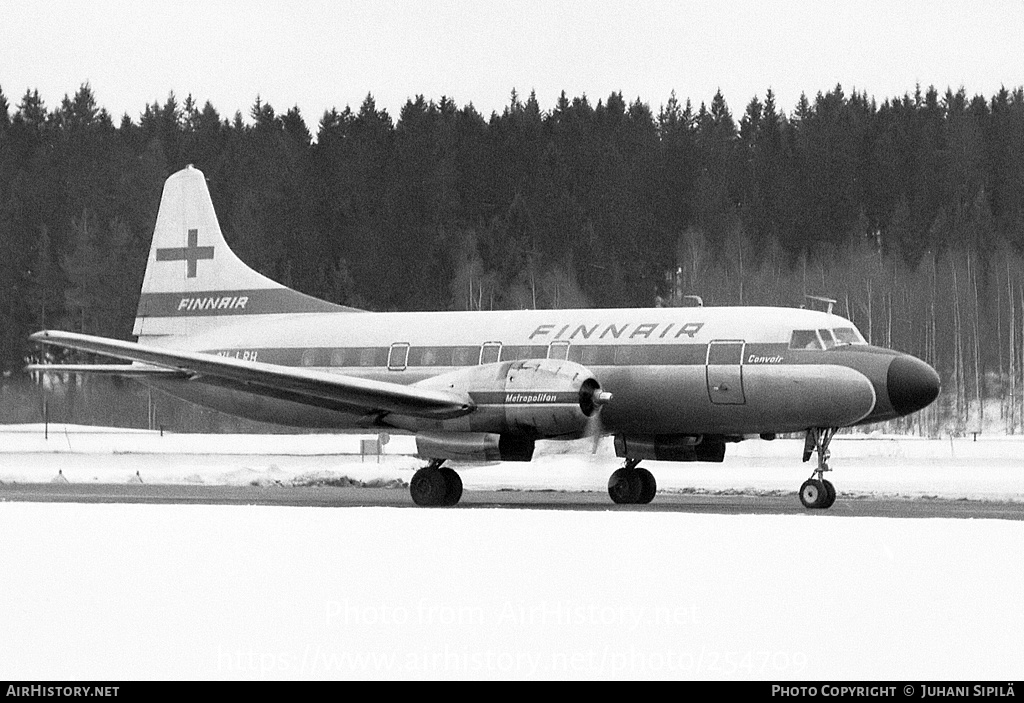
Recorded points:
817,493
435,485
632,485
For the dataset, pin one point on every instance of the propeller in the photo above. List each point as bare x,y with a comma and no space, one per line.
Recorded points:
594,431
592,399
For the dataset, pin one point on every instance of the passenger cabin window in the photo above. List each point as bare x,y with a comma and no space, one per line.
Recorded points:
367,356
826,336
398,357
490,352
848,335
558,350
429,356
630,354
804,339
465,356
595,355
515,353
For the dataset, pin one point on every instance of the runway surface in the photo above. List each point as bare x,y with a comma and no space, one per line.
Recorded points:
354,497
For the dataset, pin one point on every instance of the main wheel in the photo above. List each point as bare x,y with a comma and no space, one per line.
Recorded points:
648,486
454,482
624,486
830,494
813,494
428,487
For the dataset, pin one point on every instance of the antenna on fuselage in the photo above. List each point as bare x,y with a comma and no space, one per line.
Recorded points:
696,298
820,299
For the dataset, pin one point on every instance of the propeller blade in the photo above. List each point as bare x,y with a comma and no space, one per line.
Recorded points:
594,431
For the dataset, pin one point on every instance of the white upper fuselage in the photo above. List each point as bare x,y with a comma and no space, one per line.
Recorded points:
642,326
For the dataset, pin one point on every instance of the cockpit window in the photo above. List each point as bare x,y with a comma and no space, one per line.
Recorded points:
848,335
827,338
804,339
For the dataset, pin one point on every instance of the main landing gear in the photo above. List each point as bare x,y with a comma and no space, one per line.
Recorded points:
817,493
435,485
632,485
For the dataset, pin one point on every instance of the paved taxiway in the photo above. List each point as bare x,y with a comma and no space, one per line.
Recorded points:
350,497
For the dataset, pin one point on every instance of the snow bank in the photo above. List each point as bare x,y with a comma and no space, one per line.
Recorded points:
83,439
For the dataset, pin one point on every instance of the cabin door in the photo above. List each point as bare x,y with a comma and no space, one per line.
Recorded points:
725,372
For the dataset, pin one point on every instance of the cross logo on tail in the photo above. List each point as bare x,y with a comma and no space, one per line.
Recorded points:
191,253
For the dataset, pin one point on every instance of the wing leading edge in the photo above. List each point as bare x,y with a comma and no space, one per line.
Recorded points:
301,385
126,370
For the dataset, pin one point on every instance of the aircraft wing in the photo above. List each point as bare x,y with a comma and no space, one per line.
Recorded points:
300,385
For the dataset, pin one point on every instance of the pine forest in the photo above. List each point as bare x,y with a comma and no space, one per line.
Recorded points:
908,212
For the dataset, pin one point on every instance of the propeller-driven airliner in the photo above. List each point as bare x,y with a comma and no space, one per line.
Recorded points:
669,384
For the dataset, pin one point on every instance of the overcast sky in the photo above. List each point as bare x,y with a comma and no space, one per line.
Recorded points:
323,54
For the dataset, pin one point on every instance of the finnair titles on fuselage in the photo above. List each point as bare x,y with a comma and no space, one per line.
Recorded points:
645,330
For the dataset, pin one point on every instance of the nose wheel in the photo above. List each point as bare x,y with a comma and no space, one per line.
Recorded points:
818,493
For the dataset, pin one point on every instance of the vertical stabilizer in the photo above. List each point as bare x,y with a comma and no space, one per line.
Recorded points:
193,280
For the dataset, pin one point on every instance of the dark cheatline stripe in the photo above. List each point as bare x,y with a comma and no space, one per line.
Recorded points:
585,354
232,302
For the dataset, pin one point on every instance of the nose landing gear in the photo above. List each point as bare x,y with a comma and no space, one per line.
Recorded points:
817,493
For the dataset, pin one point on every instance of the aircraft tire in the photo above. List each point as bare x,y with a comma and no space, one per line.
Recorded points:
428,487
624,486
830,495
454,483
813,494
648,486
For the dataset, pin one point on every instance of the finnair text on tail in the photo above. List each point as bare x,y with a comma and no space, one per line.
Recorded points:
221,303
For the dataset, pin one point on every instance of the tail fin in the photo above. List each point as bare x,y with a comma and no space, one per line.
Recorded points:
193,280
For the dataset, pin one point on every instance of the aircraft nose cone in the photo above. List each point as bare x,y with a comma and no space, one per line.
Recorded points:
912,384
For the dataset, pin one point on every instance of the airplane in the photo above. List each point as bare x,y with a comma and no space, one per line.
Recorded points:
670,383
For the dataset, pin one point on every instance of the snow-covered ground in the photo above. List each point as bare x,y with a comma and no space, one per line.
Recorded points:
182,591
189,591
990,467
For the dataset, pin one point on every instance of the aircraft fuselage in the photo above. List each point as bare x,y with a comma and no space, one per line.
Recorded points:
671,371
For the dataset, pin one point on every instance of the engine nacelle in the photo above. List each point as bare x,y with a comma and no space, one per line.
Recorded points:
530,398
670,448
474,446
